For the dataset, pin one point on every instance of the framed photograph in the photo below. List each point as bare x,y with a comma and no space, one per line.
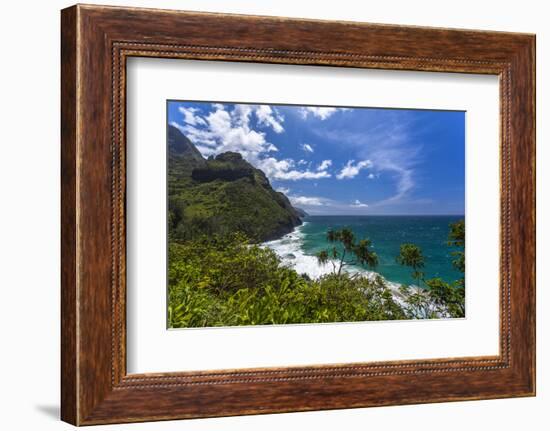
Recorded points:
264,215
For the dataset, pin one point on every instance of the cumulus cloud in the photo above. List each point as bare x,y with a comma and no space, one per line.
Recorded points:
224,129
370,176
307,200
191,117
307,148
238,128
325,164
352,169
270,118
321,113
358,204
285,170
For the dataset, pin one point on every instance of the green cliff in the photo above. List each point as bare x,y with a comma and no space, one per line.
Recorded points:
222,195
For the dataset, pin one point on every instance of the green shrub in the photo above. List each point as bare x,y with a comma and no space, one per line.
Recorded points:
225,281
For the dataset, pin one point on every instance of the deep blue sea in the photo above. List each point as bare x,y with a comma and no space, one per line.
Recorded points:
387,233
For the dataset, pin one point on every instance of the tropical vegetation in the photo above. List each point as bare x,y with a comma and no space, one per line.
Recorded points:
220,211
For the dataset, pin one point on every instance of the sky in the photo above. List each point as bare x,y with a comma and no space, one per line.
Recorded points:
340,161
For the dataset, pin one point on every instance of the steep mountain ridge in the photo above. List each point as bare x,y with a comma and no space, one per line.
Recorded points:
222,195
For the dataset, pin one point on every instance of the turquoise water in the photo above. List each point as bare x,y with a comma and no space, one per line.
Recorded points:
387,233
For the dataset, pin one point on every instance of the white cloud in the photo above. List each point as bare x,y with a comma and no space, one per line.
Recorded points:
391,143
358,204
190,116
307,200
320,112
284,170
241,114
236,137
307,148
351,169
270,118
370,176
225,129
305,175
325,164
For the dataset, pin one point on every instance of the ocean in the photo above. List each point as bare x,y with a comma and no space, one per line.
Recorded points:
298,249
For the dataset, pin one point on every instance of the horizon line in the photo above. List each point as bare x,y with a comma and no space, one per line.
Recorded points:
388,215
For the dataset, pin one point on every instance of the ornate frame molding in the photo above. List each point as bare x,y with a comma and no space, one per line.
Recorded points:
96,41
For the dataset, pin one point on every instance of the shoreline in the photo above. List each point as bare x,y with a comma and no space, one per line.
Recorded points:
289,249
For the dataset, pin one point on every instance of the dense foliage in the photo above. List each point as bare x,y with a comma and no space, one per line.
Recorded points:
225,282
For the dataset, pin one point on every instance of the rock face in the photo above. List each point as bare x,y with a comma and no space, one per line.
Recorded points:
222,195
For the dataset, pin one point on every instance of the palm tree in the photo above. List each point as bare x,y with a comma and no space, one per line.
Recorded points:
411,255
457,238
361,251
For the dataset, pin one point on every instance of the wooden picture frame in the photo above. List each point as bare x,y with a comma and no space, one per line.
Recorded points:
95,43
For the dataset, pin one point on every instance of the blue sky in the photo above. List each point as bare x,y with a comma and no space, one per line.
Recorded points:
352,161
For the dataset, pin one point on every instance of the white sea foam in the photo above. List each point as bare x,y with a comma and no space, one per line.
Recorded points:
289,249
